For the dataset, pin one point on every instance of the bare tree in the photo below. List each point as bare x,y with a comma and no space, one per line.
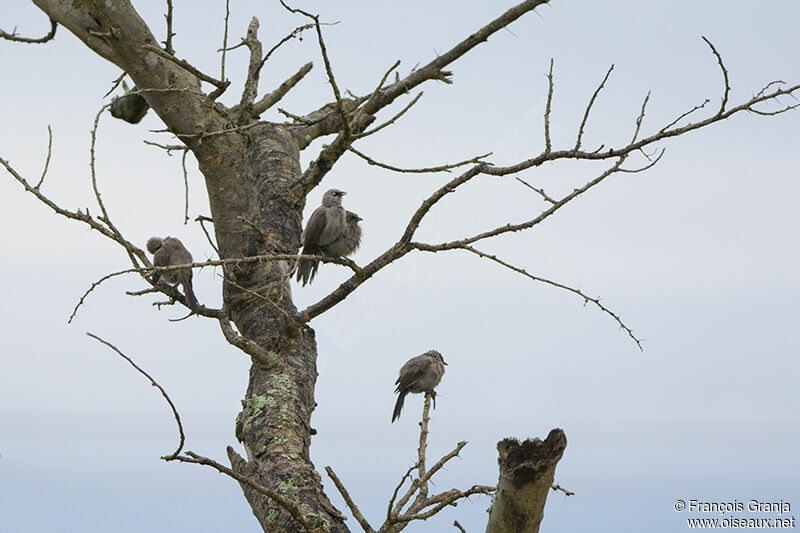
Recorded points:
257,191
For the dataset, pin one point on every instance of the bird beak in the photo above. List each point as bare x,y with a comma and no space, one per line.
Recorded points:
444,362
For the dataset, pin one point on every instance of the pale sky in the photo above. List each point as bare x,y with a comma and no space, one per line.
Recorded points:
698,256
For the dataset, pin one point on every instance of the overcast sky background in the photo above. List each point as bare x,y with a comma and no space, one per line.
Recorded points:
699,256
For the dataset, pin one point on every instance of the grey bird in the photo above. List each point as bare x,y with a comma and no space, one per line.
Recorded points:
419,374
326,226
171,252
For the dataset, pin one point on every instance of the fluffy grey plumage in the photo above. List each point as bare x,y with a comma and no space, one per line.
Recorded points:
171,252
350,240
326,227
419,374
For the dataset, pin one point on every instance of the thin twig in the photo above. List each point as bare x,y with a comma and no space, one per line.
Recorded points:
288,505
254,67
168,147
14,37
47,160
225,40
349,501
442,168
377,90
724,77
589,108
275,96
392,120
185,188
115,84
170,34
246,345
295,32
346,130
684,115
547,108
396,490
586,299
201,219
541,192
106,219
154,383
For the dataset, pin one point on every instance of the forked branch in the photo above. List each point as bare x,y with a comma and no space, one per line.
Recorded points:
618,156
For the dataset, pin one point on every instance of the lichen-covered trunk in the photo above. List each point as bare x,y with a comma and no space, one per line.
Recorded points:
257,210
251,176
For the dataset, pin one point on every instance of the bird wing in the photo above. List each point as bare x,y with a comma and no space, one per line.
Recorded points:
314,228
411,372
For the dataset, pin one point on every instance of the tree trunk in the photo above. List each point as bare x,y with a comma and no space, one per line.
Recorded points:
252,181
527,470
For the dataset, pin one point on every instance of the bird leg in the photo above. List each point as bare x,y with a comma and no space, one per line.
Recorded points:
432,394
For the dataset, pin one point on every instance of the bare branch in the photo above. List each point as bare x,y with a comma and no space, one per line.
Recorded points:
422,480
448,498
275,96
374,94
433,70
173,293
331,78
251,83
392,120
288,505
442,168
49,153
547,108
349,501
249,347
640,118
154,383
724,77
185,189
115,84
404,245
225,41
396,490
170,34
589,106
297,31
168,147
586,299
540,191
134,253
684,115
201,219
78,215
14,37
459,526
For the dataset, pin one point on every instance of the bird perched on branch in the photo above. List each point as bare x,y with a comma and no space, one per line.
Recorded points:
419,374
330,231
171,252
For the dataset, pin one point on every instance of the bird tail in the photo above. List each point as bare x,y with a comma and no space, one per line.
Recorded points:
191,300
398,406
306,270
